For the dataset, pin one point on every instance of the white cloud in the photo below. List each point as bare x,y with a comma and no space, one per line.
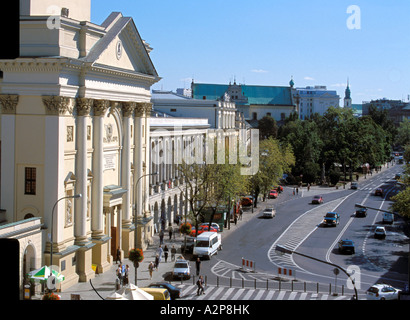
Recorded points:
338,85
259,71
308,78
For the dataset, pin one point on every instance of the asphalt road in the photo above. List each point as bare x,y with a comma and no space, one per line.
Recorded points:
297,226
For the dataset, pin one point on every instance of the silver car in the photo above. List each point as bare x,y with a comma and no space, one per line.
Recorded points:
269,213
382,292
182,269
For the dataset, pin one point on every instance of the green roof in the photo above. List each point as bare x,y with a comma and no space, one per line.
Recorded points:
257,95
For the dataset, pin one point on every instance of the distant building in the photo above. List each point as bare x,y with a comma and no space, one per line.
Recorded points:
253,101
397,109
316,99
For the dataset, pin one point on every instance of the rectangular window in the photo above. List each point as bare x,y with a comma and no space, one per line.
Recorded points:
30,181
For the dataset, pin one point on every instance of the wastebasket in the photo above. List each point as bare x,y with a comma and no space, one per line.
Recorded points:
27,292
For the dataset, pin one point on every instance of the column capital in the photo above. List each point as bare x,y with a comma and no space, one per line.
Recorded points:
9,103
83,106
143,109
100,107
128,108
57,105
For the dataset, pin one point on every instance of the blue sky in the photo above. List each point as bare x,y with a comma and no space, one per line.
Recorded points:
265,42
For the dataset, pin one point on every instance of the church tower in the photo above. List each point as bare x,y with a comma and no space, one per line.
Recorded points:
348,99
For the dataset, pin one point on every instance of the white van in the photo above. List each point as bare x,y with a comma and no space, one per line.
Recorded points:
388,217
207,244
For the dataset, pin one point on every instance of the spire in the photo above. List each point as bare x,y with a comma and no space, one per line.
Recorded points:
347,91
291,82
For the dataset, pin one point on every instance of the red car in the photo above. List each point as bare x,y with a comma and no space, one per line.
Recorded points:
203,229
246,201
279,189
273,194
317,199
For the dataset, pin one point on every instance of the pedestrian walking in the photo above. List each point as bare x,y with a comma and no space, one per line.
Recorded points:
200,285
151,268
198,266
160,252
118,255
173,252
294,190
166,253
119,273
156,261
170,232
161,237
126,273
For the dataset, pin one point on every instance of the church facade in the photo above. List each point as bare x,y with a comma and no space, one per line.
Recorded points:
74,130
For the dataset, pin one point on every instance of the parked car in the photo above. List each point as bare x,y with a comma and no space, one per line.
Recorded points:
382,292
190,243
361,212
317,199
331,219
378,192
278,188
269,213
346,246
202,229
273,194
380,233
182,269
354,185
213,225
173,291
247,201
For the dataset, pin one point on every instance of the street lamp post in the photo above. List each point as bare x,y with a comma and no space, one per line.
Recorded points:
135,217
282,250
52,227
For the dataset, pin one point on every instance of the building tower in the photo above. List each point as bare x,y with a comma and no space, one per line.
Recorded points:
348,99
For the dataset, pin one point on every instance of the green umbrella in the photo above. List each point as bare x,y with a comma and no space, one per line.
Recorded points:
41,275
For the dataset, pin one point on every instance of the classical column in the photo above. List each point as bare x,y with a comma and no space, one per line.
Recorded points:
127,111
56,107
146,159
138,157
83,106
99,109
8,130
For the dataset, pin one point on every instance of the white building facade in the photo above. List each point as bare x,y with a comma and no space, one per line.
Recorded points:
75,120
316,99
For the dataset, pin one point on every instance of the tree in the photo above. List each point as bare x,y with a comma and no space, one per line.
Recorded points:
403,133
274,160
267,128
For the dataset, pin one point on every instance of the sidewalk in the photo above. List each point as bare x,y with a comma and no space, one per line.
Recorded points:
105,283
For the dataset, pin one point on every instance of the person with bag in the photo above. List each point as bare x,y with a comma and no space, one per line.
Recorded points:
200,285
151,269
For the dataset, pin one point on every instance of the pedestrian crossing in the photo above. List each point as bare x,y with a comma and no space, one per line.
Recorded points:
189,292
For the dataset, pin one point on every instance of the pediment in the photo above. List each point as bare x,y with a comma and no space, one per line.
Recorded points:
122,48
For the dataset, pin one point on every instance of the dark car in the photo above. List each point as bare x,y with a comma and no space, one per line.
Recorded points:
190,242
346,246
317,199
331,219
378,192
361,212
173,291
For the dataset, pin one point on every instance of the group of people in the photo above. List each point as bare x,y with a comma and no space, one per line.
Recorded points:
158,257
122,274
